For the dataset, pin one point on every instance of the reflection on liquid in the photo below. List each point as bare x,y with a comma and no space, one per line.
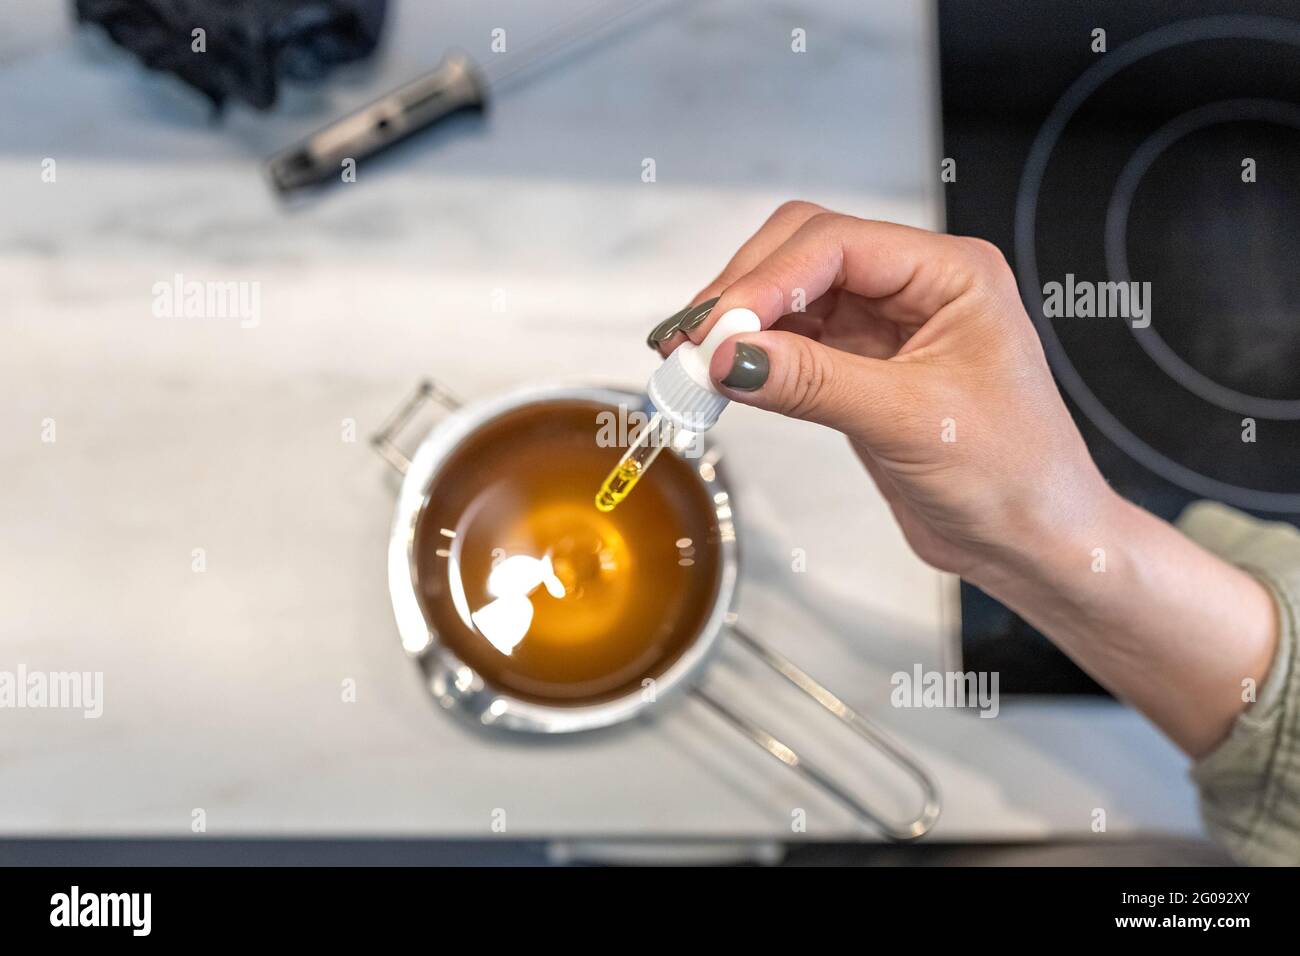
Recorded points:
573,552
506,620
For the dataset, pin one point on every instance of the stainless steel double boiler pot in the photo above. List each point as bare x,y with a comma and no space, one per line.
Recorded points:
457,686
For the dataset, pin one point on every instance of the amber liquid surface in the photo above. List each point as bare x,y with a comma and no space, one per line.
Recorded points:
545,596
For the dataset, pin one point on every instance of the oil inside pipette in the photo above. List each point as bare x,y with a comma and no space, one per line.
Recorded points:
657,433
618,485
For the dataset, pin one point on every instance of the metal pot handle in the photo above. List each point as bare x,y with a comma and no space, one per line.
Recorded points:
384,441
860,725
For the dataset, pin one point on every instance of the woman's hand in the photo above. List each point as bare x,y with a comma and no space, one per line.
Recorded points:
916,346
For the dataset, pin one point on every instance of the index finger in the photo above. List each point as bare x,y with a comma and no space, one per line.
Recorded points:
776,229
909,274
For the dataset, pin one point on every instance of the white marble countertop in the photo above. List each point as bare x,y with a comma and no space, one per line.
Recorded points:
222,688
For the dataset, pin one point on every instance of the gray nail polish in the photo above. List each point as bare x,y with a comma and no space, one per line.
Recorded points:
695,316
665,329
749,368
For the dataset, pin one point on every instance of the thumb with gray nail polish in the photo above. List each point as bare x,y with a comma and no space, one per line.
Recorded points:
794,375
749,368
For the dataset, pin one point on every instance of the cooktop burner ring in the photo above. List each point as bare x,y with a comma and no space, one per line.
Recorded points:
1262,28
1117,219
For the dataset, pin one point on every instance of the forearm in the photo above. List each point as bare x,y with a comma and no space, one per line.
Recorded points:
1153,617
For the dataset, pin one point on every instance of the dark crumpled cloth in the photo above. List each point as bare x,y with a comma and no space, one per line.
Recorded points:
250,44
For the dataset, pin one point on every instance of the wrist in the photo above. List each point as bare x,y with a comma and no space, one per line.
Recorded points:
1128,597
1057,547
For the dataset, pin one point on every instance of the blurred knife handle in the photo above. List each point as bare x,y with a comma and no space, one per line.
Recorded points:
455,86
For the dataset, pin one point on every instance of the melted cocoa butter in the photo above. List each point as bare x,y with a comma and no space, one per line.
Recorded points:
583,605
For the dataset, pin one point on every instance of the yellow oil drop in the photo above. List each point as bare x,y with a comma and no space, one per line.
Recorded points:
618,485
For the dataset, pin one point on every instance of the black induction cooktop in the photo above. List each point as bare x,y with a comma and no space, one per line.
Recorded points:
1157,146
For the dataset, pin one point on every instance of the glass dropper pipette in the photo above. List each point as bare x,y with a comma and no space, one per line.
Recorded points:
685,401
657,433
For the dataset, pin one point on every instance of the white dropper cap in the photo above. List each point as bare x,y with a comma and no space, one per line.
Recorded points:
681,388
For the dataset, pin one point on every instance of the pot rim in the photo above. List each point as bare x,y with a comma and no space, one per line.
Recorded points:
457,686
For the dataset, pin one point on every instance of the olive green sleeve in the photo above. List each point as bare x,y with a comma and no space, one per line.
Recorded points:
1250,784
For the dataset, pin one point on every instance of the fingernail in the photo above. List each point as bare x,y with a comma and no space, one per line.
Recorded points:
749,368
665,329
698,314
